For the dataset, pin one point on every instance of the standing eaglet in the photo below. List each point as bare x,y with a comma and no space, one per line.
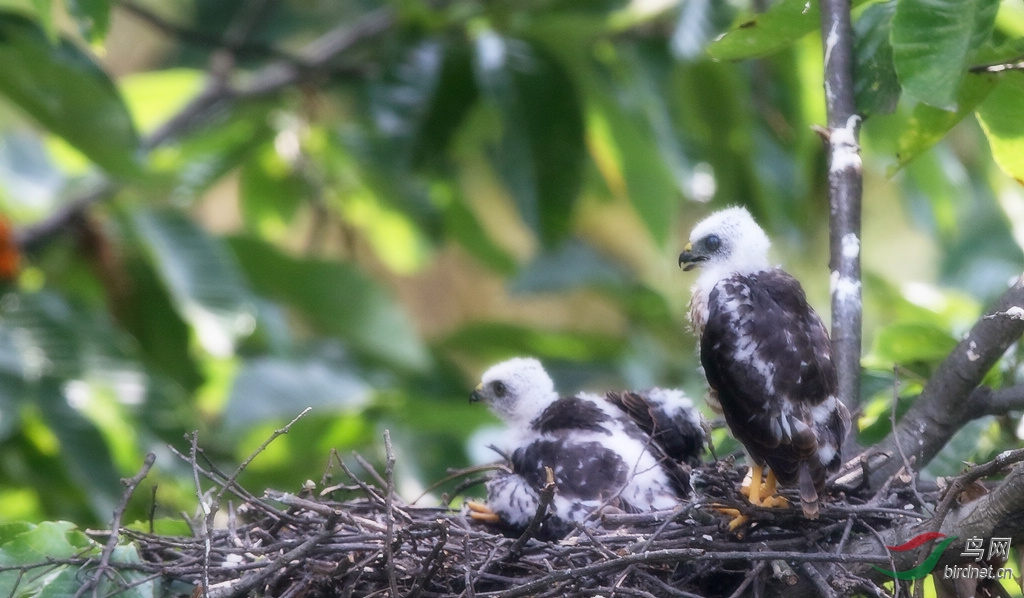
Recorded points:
597,454
767,358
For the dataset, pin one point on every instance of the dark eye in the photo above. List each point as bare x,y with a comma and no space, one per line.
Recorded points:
499,388
712,242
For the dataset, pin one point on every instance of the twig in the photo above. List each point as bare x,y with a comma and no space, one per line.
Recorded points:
460,473
547,493
812,573
276,433
908,464
973,474
389,502
262,447
433,560
104,569
749,578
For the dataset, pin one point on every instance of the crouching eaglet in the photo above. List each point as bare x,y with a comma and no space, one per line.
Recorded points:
767,358
598,455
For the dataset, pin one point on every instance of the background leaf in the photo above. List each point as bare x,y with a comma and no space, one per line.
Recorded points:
540,153
201,276
932,40
67,93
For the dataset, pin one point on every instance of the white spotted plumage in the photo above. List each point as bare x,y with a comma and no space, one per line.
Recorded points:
599,456
765,353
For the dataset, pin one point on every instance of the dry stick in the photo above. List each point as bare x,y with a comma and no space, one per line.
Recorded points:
812,573
678,554
434,560
460,473
206,521
547,494
389,503
248,583
238,471
104,568
370,469
1001,461
908,464
467,559
749,579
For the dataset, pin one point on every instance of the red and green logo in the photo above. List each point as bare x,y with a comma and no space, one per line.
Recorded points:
928,564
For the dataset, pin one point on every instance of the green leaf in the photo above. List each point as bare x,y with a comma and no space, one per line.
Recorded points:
269,389
155,96
928,125
271,193
1002,118
67,93
777,28
204,281
27,544
908,343
336,299
93,17
877,87
204,156
540,154
463,226
932,41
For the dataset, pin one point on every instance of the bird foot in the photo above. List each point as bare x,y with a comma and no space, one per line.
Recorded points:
762,494
738,519
481,512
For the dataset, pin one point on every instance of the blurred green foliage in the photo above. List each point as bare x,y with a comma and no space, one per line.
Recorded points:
476,181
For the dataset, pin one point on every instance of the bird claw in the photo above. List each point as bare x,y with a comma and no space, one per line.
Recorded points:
481,512
738,518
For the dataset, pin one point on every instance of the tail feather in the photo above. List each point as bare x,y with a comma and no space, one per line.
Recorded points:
808,492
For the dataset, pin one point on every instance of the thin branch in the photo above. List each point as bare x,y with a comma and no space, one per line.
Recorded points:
943,406
389,506
845,187
311,62
262,447
197,37
547,493
104,569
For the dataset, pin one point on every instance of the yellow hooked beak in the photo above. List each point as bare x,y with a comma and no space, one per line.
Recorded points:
689,260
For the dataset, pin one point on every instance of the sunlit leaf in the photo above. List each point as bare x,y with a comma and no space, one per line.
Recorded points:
67,93
336,299
877,87
155,96
270,193
932,41
777,28
201,276
540,153
1002,117
928,125
906,343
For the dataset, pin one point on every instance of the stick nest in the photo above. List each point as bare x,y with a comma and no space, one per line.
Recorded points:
361,539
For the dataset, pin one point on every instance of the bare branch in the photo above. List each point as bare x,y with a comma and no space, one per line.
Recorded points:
219,93
945,403
845,185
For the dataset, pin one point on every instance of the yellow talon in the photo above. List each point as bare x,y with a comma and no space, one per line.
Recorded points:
481,512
